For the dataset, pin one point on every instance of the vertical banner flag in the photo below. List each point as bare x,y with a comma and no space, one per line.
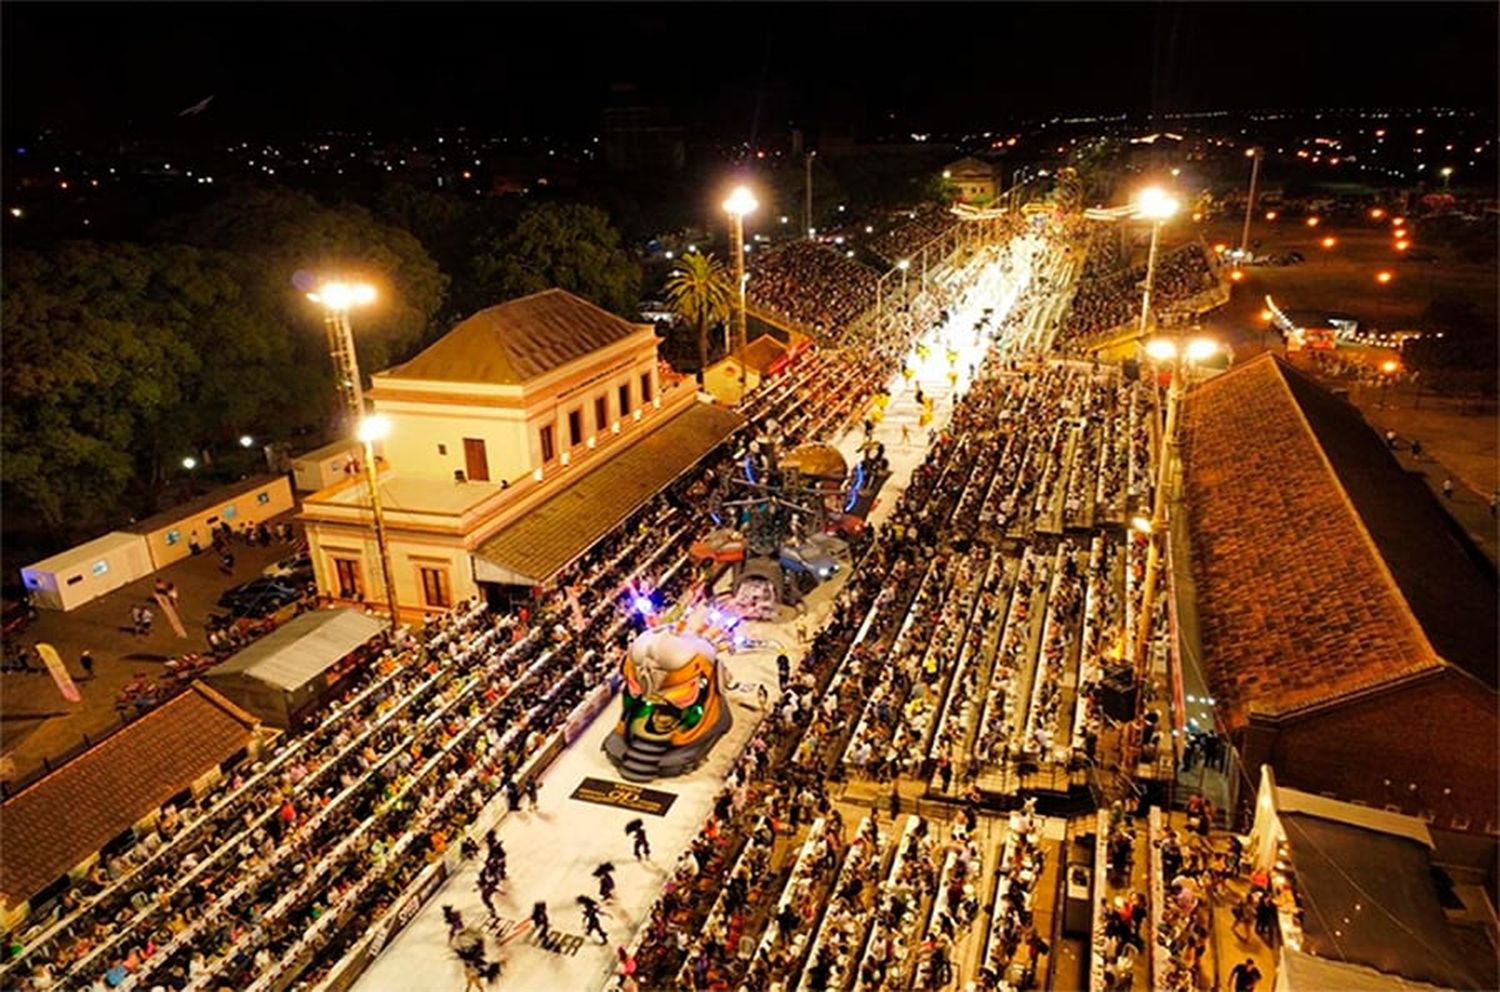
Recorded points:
59,671
167,607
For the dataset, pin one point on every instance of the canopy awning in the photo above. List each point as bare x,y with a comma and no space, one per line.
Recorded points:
302,649
547,539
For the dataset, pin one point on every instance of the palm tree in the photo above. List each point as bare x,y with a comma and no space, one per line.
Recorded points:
701,291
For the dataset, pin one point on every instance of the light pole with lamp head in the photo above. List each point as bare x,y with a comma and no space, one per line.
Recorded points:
1156,205
1254,155
371,429
337,299
740,203
1179,353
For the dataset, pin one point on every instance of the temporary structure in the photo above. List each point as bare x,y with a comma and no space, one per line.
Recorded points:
287,673
74,577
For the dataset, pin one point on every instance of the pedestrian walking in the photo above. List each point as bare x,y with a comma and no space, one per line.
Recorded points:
488,884
763,697
455,921
172,593
1416,448
193,544
591,924
473,979
468,848
783,671
1245,976
512,795
87,661
895,801
531,794
539,920
642,847
905,435
605,873
1448,488
495,864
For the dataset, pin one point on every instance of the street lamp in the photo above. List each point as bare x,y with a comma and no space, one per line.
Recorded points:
1156,205
337,299
1179,353
190,463
371,429
1254,155
246,441
740,203
1447,173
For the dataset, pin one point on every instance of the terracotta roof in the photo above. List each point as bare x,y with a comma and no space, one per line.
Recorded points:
1295,604
518,341
1447,581
763,352
546,539
53,824
970,167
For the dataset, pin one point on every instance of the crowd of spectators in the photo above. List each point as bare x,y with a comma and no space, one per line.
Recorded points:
910,231
1113,298
813,285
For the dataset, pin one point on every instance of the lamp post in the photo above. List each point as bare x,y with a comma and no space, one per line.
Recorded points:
740,203
337,299
1254,155
371,429
1152,204
1178,353
807,215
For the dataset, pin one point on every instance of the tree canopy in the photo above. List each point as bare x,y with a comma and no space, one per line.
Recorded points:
567,245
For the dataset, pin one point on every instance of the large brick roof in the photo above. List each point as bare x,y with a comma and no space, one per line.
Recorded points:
65,816
517,341
1296,605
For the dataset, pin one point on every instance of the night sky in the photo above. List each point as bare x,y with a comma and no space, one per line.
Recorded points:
118,68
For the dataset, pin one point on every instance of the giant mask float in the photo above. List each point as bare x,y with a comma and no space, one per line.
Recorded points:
673,708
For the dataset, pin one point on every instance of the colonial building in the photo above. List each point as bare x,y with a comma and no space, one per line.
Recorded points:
517,439
1346,626
977,181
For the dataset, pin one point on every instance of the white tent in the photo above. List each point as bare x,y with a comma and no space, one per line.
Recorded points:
76,576
280,677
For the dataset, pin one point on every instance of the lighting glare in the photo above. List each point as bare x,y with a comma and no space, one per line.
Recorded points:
373,428
741,202
190,463
246,440
1154,203
340,296
1141,524
1200,348
1161,349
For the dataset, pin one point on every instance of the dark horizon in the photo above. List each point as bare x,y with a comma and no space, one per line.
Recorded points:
110,71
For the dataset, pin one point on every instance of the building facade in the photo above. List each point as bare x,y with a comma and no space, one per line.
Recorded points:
488,425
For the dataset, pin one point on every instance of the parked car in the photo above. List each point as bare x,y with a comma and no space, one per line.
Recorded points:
295,568
257,590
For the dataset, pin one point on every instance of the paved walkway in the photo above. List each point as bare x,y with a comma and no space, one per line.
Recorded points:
38,723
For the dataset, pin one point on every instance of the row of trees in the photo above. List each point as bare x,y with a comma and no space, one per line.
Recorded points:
122,358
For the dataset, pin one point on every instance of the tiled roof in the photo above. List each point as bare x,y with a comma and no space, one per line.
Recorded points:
517,341
763,352
1295,605
50,826
559,530
1446,580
